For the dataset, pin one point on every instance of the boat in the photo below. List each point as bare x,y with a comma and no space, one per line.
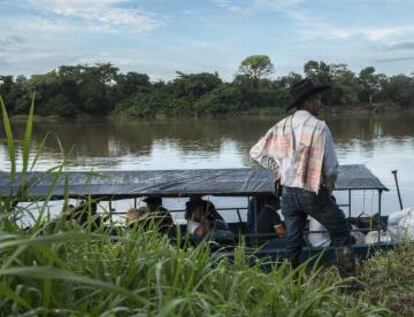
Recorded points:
236,182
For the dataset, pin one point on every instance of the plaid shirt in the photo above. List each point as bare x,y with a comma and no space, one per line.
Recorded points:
299,148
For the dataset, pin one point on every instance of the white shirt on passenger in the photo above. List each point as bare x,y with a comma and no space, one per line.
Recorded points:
318,239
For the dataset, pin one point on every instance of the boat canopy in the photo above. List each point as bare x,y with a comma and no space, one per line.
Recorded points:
169,183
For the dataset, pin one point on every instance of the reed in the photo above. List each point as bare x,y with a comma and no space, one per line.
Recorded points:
66,270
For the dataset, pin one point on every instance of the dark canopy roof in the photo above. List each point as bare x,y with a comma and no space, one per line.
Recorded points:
122,184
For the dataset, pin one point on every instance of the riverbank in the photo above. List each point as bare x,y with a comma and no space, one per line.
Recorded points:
375,109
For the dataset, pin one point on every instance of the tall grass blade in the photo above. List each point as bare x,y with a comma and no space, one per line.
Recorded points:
6,292
10,141
50,273
38,152
27,142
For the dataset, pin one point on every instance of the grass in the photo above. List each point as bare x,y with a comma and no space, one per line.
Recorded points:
60,269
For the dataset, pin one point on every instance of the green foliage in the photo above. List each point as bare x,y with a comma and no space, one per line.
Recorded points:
101,90
141,105
224,99
398,89
343,86
256,67
369,83
193,86
318,71
61,106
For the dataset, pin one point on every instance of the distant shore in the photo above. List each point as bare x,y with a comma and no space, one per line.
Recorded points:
362,109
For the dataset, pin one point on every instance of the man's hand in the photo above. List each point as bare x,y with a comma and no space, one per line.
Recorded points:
280,231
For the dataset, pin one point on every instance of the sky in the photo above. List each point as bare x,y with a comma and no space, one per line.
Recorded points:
160,37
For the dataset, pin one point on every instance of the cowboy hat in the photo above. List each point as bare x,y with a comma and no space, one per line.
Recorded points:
304,89
135,215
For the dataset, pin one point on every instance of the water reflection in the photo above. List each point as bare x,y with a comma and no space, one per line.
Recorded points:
382,142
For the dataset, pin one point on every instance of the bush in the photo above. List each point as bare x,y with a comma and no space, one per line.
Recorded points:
224,99
141,105
60,105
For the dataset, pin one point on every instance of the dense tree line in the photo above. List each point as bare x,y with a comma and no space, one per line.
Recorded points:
102,90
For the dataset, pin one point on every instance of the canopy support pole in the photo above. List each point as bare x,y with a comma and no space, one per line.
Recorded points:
239,216
256,207
379,214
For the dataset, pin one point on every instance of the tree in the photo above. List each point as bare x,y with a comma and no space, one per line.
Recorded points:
193,86
60,105
97,88
318,71
369,84
132,83
289,80
6,87
224,99
344,86
256,68
398,89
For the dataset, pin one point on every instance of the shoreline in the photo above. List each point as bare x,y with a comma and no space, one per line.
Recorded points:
364,110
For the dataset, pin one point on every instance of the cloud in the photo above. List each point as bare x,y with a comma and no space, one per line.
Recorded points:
401,46
11,40
100,15
313,26
394,59
257,5
317,28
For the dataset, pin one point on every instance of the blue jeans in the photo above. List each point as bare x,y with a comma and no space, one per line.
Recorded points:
297,204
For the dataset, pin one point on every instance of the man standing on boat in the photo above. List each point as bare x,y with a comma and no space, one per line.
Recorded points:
300,150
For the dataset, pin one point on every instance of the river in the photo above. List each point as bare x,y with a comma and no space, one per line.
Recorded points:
382,142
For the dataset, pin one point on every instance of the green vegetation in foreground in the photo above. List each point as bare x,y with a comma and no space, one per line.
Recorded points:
59,269
102,90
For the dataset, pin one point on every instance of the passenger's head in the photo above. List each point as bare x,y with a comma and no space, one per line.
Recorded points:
273,201
153,202
195,210
136,215
196,197
88,206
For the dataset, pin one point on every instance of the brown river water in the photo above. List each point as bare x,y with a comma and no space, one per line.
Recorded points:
382,142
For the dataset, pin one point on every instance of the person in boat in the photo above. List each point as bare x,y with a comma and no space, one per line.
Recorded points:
208,207
269,222
134,217
318,235
159,214
85,215
300,150
202,223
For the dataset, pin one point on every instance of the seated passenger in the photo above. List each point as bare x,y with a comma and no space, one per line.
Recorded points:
208,206
318,239
134,217
159,213
268,220
85,214
321,237
202,222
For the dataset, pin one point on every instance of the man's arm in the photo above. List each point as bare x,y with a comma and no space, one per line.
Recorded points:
330,161
261,151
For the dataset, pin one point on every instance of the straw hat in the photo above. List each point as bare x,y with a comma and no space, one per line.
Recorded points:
135,215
